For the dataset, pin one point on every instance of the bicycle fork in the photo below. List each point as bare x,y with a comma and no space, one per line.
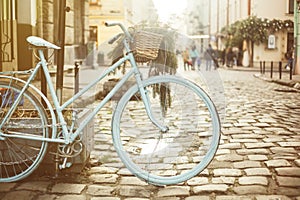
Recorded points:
146,101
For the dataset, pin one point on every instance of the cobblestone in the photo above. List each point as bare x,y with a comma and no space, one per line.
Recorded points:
229,157
135,191
288,181
253,180
246,164
99,190
288,171
105,198
35,186
258,145
198,198
227,172
252,189
197,181
66,188
174,191
258,171
20,195
5,187
283,150
271,197
223,179
277,163
231,197
104,178
209,188
253,151
72,196
132,181
257,157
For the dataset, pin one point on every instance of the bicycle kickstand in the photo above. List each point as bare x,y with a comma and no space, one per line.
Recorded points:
65,164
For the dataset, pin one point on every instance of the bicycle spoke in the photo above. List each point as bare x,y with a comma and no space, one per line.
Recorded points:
20,156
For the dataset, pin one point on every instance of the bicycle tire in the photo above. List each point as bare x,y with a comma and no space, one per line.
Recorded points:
20,157
181,153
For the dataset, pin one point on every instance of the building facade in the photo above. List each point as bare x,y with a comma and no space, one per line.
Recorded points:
216,14
129,12
22,18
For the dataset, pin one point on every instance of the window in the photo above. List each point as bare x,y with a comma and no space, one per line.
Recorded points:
291,6
93,33
94,2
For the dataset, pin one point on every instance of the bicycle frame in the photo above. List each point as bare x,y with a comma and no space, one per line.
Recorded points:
69,137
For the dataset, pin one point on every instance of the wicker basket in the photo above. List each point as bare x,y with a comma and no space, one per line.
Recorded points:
145,45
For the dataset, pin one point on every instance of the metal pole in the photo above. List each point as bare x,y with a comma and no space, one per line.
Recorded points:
296,38
280,70
76,78
271,69
61,52
291,72
227,13
209,18
249,7
260,67
60,62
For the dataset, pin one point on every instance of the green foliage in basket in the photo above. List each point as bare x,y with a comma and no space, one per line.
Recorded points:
166,59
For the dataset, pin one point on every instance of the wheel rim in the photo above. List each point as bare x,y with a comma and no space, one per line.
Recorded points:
127,147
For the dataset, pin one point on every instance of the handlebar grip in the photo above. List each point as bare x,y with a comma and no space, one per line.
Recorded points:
111,23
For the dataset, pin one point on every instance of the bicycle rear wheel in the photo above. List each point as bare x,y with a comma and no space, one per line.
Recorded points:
19,157
188,146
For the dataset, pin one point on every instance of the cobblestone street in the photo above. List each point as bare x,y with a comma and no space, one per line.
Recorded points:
258,156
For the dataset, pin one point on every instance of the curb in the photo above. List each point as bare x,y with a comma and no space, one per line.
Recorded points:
294,85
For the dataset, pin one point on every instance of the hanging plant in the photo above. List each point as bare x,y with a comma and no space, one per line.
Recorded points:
254,30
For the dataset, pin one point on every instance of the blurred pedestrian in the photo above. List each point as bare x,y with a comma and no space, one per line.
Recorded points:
229,57
199,63
290,57
209,56
194,55
186,58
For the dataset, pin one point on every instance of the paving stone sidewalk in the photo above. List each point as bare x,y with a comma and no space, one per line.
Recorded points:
258,157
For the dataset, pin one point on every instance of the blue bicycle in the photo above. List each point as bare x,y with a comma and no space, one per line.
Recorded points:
165,129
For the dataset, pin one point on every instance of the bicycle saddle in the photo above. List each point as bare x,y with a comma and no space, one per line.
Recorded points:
39,42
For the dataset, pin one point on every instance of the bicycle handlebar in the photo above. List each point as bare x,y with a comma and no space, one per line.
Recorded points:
112,40
124,29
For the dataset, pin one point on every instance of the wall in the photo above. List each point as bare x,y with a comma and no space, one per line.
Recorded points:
27,19
8,26
40,18
108,10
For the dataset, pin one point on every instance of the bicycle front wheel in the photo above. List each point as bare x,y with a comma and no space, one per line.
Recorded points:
19,157
185,149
